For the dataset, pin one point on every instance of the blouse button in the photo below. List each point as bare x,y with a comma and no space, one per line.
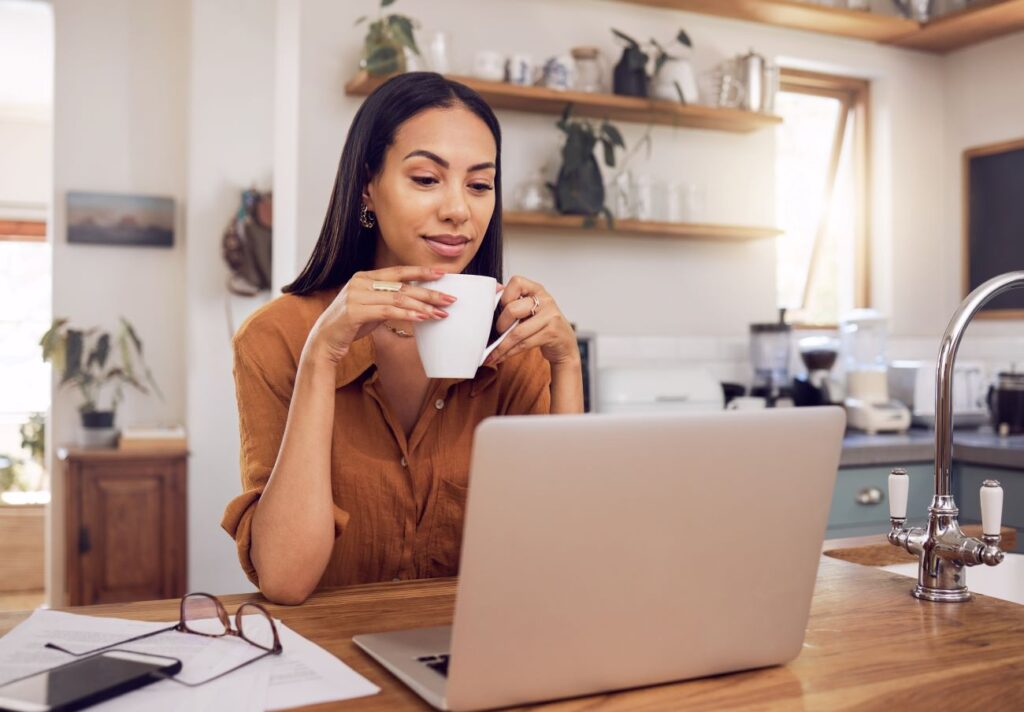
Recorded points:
439,403
404,463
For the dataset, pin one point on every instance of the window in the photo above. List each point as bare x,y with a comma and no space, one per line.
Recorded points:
822,196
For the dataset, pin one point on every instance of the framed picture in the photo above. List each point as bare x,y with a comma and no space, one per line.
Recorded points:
116,219
994,222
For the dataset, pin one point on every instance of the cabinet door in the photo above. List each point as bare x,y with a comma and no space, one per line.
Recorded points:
860,501
967,490
132,539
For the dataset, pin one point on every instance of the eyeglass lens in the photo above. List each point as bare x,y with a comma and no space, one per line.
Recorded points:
255,626
202,614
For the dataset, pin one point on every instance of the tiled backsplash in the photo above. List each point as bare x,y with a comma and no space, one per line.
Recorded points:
728,358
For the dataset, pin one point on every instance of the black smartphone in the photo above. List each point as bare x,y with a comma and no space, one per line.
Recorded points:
85,682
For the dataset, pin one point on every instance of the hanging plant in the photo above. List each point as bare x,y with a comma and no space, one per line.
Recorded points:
387,38
579,189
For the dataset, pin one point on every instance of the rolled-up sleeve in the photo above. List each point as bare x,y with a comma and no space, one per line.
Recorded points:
263,403
528,389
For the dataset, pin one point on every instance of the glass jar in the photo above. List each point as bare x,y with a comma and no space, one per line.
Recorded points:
589,69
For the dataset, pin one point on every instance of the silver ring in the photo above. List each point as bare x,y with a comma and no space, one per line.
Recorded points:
386,286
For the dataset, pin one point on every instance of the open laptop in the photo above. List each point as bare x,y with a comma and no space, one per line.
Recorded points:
603,552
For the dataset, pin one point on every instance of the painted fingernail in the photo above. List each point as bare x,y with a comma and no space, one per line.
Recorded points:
449,298
440,313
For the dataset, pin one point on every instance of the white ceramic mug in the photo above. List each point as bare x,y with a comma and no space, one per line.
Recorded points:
746,403
456,346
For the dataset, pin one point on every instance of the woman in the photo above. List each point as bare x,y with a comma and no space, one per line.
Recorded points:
355,464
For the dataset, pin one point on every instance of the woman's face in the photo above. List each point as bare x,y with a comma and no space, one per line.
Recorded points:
434,195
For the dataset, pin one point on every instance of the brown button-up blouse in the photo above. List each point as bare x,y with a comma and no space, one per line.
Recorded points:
398,502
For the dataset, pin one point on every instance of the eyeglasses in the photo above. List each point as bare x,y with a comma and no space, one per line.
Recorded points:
204,614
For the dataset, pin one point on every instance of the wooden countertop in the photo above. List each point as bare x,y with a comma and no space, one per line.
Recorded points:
869,645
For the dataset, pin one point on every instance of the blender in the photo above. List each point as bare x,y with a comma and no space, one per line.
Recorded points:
769,356
819,354
868,405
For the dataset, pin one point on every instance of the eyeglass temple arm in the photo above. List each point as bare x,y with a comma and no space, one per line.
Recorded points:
54,646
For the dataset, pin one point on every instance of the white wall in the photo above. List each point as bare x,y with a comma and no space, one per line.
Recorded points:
627,285
230,147
120,102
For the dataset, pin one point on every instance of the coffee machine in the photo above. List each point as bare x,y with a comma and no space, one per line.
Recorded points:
868,405
819,354
769,357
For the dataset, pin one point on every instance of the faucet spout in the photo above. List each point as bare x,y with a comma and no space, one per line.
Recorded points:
943,550
944,372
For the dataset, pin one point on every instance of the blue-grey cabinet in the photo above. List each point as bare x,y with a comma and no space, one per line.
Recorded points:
967,479
860,501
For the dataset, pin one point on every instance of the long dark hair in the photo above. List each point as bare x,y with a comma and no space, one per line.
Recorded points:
345,246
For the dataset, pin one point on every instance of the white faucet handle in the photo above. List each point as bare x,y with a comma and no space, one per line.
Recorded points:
991,507
899,488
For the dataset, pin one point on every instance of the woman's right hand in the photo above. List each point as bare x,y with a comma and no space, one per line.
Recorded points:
359,308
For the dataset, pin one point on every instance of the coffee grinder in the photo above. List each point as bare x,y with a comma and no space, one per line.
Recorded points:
868,405
769,356
819,354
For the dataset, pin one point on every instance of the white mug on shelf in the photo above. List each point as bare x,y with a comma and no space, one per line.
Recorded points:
489,65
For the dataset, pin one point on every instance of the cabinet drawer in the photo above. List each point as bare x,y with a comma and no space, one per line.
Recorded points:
856,483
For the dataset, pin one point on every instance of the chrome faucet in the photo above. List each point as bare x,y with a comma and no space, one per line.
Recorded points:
944,551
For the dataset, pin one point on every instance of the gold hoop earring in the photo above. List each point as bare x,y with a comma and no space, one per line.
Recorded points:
366,218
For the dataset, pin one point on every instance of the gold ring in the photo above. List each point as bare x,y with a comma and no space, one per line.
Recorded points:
386,286
536,305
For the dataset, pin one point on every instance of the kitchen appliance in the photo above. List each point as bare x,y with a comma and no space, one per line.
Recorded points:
819,354
913,383
758,80
586,341
769,357
670,389
1006,399
868,404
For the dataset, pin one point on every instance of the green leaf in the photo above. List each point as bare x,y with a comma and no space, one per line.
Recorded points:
679,91
609,219
382,60
684,38
609,153
613,134
360,20
660,62
385,3
99,352
73,356
590,221
401,30
632,42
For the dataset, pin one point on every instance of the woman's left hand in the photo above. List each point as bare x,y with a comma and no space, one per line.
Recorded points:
541,325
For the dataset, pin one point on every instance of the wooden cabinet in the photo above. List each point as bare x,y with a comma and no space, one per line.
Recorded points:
125,516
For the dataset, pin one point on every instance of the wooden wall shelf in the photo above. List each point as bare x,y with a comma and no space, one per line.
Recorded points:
798,16
979,22
541,100
975,23
536,222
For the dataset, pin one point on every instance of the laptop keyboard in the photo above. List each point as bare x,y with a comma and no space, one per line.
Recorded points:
437,663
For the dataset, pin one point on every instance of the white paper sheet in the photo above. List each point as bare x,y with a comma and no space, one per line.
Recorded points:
303,674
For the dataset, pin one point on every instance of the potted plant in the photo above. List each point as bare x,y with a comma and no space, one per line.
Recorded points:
86,361
673,76
387,39
579,189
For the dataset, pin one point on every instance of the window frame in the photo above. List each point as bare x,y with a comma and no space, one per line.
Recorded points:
855,97
22,231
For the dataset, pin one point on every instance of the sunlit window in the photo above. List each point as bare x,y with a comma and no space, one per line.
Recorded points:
821,197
